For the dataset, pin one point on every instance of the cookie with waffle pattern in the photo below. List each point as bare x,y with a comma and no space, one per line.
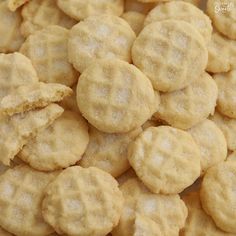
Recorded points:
187,107
166,159
38,14
171,53
67,203
21,195
14,4
115,97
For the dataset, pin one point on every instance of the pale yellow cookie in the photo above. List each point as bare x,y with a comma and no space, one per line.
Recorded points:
14,4
228,127
47,49
11,38
80,9
134,5
18,129
38,14
83,202
226,102
223,16
218,195
221,54
191,105
115,96
171,53
3,232
212,143
100,37
108,151
59,146
29,97
179,10
21,195
167,160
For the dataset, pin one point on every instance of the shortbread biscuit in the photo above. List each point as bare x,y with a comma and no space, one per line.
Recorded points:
3,232
135,20
191,105
218,195
21,195
100,37
179,10
168,212
226,48
114,96
226,102
80,9
171,53
228,127
222,14
212,143
83,202
29,97
18,129
38,14
167,160
47,49
59,146
14,4
108,151
135,5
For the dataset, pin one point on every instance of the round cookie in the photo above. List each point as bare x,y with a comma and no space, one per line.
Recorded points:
21,195
47,49
222,14
58,146
218,195
83,202
226,102
114,96
187,107
80,9
38,14
108,151
171,53
212,143
179,10
167,160
100,37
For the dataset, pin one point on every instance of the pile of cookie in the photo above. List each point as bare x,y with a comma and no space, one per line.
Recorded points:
117,117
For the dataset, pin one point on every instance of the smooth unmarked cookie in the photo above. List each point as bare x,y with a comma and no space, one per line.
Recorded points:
100,37
115,97
218,195
171,53
166,159
83,202
58,146
191,105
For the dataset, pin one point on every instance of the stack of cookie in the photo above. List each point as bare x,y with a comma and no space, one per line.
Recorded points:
117,117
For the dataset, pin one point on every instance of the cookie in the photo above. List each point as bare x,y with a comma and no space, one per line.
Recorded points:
171,53
135,5
47,49
166,159
67,203
226,48
114,96
11,38
38,14
212,143
18,129
100,37
29,97
59,146
179,10
218,189
14,4
108,151
226,102
222,14
187,107
21,195
80,9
